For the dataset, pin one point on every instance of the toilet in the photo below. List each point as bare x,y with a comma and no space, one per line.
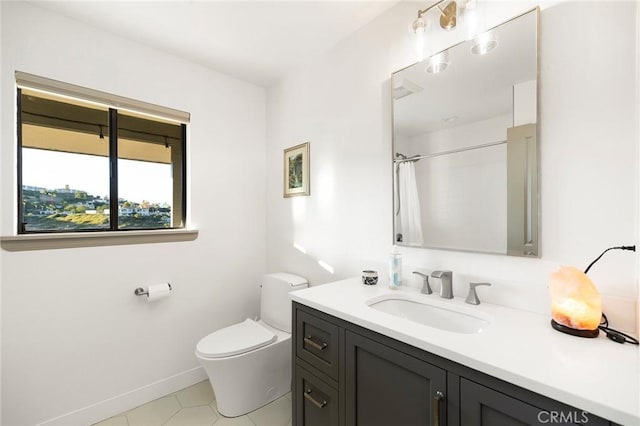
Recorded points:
249,363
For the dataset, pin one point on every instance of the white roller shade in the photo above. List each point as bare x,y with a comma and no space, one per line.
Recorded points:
48,85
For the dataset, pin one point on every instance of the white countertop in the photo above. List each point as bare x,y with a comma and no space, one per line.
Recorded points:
596,375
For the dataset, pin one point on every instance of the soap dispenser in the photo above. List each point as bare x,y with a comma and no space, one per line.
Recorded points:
395,268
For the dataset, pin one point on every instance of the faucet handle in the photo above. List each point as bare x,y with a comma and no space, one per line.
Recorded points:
425,282
472,298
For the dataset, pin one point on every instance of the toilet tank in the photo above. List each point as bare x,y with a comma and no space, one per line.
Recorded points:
275,306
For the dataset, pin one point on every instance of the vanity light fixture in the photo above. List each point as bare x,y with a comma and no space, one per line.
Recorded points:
438,62
419,27
448,20
484,43
448,16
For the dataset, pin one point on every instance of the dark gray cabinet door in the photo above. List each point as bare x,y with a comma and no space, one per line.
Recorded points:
315,402
483,406
387,387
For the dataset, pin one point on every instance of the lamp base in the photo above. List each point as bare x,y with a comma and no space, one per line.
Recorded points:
574,331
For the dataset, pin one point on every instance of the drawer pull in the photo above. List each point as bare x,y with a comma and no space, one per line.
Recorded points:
307,395
315,345
439,396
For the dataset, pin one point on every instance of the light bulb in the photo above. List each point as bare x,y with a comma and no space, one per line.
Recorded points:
470,4
419,47
438,63
471,23
474,18
484,43
419,28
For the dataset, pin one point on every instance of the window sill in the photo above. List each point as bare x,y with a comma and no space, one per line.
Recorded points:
25,242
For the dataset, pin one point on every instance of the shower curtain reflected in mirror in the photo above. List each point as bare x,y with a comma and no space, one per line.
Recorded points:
408,212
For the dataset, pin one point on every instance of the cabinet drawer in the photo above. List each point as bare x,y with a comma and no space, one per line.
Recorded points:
315,402
317,342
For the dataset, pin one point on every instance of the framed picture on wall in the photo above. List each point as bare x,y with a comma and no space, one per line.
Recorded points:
296,170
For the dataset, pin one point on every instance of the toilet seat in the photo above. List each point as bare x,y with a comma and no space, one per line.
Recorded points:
235,339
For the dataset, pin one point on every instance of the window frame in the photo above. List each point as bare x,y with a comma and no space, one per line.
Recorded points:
125,104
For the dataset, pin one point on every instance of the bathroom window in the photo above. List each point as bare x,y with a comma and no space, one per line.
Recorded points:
88,166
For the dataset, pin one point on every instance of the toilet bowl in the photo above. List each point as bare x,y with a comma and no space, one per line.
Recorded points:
249,363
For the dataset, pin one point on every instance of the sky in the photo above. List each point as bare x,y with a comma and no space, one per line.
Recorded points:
138,180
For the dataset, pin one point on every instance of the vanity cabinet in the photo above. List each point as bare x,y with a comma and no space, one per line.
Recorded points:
347,375
401,391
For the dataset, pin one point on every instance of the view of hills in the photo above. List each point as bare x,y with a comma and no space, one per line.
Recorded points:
62,209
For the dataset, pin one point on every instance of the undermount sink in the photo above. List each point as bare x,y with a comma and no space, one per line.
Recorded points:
436,314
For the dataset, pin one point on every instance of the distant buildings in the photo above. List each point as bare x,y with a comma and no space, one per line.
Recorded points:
39,201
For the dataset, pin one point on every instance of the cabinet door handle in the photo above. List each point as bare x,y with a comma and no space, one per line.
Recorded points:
435,406
315,345
307,395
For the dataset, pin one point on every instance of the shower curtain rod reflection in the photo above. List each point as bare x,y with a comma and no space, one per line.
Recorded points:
403,158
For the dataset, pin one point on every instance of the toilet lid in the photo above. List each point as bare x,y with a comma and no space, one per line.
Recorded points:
235,339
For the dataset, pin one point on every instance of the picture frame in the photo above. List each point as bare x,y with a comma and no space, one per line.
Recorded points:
296,171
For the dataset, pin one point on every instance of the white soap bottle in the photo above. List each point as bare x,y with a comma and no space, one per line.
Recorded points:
395,268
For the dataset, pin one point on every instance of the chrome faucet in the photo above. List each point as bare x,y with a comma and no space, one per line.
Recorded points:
446,287
472,298
425,283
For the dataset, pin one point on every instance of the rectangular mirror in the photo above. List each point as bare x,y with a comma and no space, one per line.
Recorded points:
465,149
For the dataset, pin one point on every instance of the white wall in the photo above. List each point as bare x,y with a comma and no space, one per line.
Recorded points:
638,142
588,146
1,214
73,333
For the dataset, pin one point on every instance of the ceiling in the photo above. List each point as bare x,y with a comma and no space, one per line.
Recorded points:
256,41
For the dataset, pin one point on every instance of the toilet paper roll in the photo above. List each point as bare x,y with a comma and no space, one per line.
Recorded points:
158,291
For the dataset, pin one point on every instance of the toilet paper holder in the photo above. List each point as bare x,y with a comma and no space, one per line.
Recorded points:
142,292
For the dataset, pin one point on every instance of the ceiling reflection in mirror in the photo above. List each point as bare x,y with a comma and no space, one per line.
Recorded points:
465,149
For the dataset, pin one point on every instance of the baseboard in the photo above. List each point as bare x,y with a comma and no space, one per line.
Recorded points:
118,404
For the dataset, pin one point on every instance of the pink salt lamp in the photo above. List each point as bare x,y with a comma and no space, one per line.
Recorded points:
576,305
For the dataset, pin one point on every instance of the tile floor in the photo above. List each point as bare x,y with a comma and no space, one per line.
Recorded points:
196,406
